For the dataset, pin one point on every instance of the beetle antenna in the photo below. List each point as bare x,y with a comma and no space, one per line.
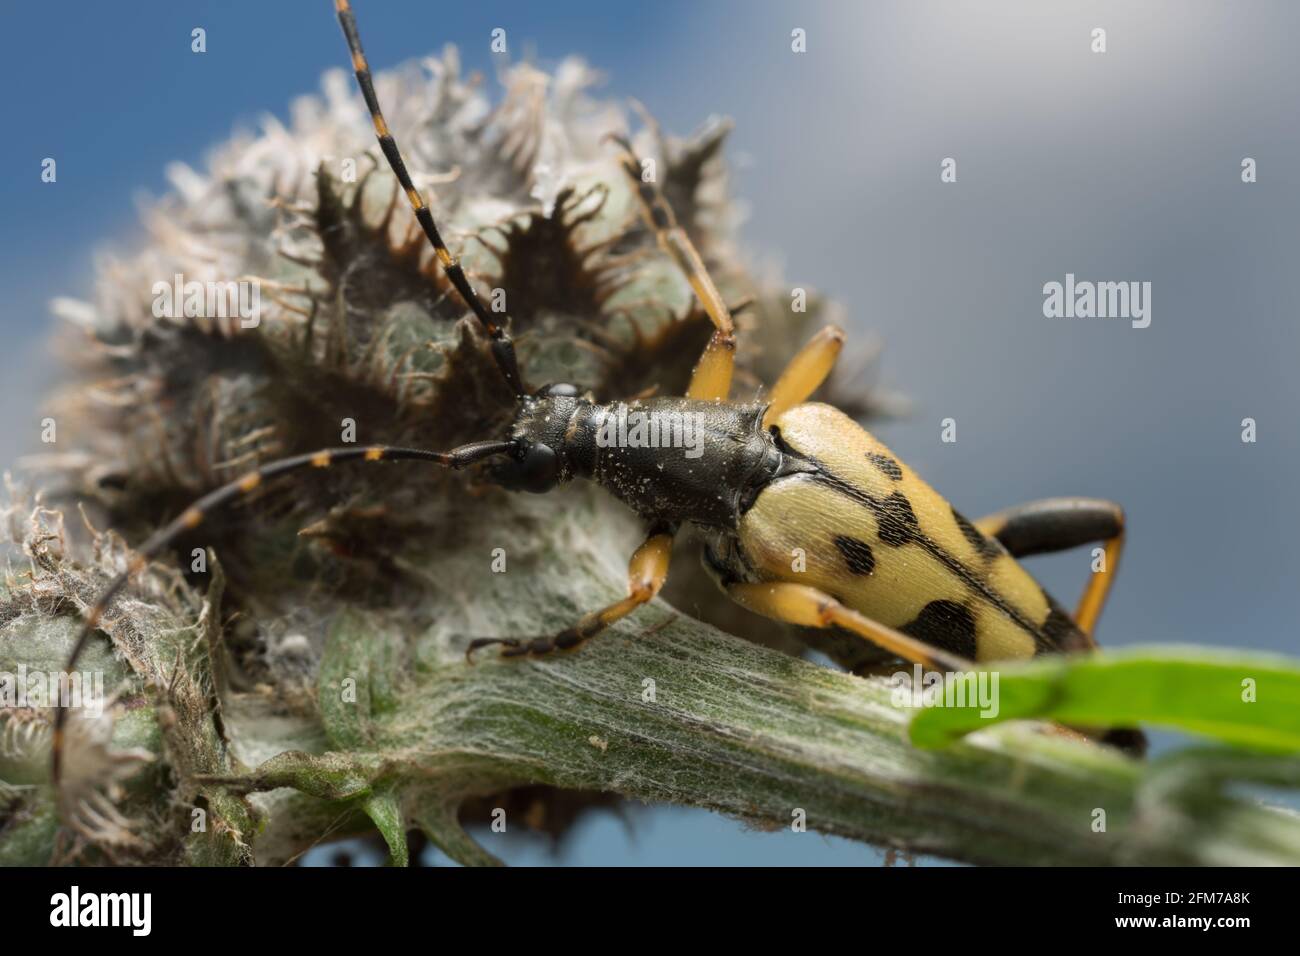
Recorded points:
503,347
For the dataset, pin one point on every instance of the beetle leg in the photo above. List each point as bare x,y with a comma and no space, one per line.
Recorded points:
711,379
808,607
1056,524
646,573
805,373
712,376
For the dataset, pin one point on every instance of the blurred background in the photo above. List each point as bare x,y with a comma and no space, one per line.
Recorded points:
1117,166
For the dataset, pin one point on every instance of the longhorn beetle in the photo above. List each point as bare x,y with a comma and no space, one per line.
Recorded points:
887,558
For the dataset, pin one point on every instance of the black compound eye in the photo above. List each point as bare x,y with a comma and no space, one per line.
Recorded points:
560,390
539,469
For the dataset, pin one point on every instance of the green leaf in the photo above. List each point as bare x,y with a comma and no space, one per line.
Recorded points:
1189,688
358,678
384,809
438,819
343,689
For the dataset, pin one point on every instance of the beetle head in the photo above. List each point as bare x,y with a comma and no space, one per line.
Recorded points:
539,434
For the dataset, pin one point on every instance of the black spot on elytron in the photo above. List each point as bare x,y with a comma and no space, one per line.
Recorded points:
1060,633
985,546
947,625
886,464
857,554
898,524
967,576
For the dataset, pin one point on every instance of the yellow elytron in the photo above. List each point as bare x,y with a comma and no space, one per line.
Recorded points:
806,517
887,545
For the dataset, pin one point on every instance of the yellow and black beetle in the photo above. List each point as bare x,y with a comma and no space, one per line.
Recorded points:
806,517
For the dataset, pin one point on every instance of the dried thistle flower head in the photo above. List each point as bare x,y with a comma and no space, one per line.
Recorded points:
338,326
